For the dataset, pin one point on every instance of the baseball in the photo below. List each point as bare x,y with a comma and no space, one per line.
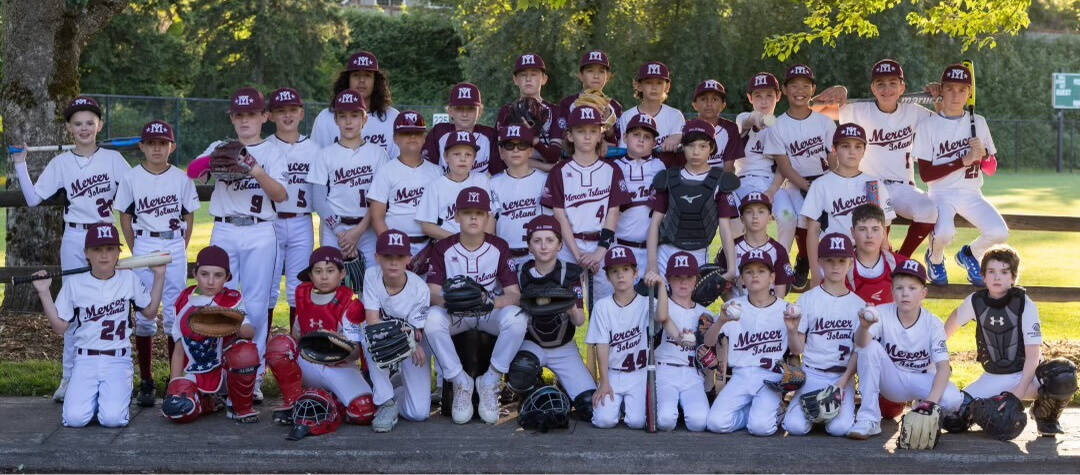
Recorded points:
768,120
869,313
733,310
793,310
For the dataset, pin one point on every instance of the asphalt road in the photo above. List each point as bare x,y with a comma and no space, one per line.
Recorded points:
32,440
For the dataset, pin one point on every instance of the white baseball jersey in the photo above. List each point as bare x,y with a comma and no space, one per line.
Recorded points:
806,142
836,197
246,197
298,158
400,187
379,131
634,218
915,349
157,202
515,202
668,121
410,304
624,329
889,137
1031,328
686,320
729,145
829,323
488,265
99,309
585,193
348,174
438,204
782,270
89,184
758,337
754,161
940,140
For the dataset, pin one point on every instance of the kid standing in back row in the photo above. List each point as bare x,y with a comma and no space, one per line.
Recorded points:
651,87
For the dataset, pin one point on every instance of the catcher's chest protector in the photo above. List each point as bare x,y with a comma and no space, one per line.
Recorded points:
204,353
327,317
875,290
998,336
690,221
554,332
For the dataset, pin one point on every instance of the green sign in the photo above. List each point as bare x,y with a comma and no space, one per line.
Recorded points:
1066,91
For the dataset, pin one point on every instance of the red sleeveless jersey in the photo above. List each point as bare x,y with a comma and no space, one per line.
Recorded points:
877,290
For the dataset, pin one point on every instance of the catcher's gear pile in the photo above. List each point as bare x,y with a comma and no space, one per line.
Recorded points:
544,409
1001,417
822,405
550,300
463,297
529,112
791,377
323,347
711,285
389,343
920,427
215,321
230,161
596,99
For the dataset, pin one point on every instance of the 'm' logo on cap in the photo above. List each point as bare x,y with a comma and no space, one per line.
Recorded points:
800,70
285,96
464,136
474,197
104,232
362,61
618,252
596,56
155,128
244,100
911,265
653,68
348,98
80,102
586,113
837,244
395,239
682,261
755,254
464,93
513,131
957,73
761,80
528,59
754,196
712,84
410,117
851,130
885,68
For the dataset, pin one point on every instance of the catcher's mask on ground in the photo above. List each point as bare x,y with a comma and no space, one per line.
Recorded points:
315,412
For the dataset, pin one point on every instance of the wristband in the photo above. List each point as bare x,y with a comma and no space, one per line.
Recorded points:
606,237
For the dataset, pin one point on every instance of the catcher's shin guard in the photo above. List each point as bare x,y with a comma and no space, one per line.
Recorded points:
281,355
1057,379
182,402
360,411
242,362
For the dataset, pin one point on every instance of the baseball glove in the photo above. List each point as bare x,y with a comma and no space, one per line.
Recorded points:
705,358
540,301
215,321
230,161
791,377
463,297
711,285
822,405
596,99
919,428
1001,417
529,112
389,342
323,347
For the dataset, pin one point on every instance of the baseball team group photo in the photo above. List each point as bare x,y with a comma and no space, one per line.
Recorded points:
855,238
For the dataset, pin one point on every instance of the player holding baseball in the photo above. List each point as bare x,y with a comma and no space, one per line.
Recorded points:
678,381
639,168
710,99
486,260
515,193
88,177
594,72
157,201
951,165
436,212
530,76
651,87
98,304
362,75
395,192
755,214
465,108
756,171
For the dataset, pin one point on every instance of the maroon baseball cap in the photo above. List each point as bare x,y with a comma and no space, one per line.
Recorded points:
886,68
409,121
957,73
755,256
393,243
516,133
348,101
583,115
642,121
362,61
529,61
619,256
763,80
849,130
682,264
460,137
157,130
755,198
213,256
81,103
246,99
799,71
283,97
913,268
710,85
473,197
594,57
695,129
464,94
101,234
835,245
323,254
653,70
543,222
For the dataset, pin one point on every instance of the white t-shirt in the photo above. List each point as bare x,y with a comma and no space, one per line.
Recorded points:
409,304
624,329
1029,320
348,174
400,187
438,204
939,140
806,142
298,158
245,197
158,202
686,320
754,161
99,309
758,337
889,137
324,131
668,121
89,183
838,196
915,349
829,323
634,219
515,202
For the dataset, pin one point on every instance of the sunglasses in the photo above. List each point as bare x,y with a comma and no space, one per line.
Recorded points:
515,145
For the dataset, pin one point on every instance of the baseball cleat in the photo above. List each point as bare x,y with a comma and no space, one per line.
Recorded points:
61,390
967,260
936,272
385,417
462,407
146,394
1048,428
863,430
283,416
801,279
489,398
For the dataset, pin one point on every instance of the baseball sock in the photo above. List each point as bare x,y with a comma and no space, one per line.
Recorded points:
144,346
916,233
171,345
800,241
292,319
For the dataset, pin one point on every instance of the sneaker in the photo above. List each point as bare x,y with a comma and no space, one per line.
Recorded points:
462,407
936,272
146,394
488,388
863,430
802,274
58,395
283,416
967,260
257,395
385,417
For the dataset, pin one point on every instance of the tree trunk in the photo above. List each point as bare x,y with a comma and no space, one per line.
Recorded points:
41,45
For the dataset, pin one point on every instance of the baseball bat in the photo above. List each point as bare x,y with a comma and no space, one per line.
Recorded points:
619,152
121,142
910,98
988,163
650,368
133,262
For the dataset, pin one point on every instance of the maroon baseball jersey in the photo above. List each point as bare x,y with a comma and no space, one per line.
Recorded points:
487,158
489,265
773,249
585,193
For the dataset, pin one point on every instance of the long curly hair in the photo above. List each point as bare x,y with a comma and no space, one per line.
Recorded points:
380,93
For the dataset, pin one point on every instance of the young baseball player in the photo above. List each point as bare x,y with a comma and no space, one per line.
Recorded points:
340,179
201,365
828,205
395,192
651,87
754,213
157,201
550,342
639,168
392,292
756,171
465,109
871,276
679,220
709,101
243,212
436,212
98,304
515,193
361,74
951,165
586,194
295,236
901,353
594,72
759,327
323,303
799,143
486,260
890,128
678,382
530,76
88,176
826,338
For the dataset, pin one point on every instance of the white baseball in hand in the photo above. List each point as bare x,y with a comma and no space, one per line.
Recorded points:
792,311
733,310
768,120
869,313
